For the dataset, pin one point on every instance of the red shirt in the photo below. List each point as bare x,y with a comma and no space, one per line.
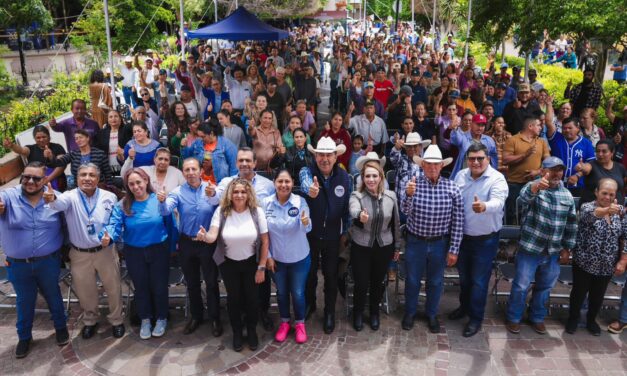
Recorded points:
341,138
382,91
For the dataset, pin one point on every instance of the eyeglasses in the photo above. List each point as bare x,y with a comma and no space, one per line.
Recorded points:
476,159
27,178
144,94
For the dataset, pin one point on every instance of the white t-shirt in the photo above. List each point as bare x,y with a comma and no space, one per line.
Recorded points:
239,232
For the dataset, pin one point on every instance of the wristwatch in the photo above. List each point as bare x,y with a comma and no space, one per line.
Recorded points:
260,267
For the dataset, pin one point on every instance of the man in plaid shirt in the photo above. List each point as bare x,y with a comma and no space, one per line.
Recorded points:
584,95
435,218
548,232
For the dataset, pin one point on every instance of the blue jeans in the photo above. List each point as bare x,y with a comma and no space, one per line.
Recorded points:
421,255
291,279
623,306
149,268
129,96
27,279
475,267
546,270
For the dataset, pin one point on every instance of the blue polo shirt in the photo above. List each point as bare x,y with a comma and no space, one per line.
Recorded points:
288,235
571,153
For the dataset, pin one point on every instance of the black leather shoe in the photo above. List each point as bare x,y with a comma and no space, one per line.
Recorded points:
238,343
358,321
329,323
593,328
310,310
22,348
62,336
434,325
457,314
253,341
408,322
118,330
374,321
571,326
471,329
191,326
216,328
89,331
266,321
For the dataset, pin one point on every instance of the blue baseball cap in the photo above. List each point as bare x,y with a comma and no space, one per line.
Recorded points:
551,162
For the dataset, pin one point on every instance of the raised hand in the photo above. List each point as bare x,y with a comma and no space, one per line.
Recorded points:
106,239
210,190
478,206
52,122
410,190
161,195
543,183
400,141
614,208
579,165
210,107
7,143
282,149
47,152
314,188
304,219
48,195
363,216
327,126
132,153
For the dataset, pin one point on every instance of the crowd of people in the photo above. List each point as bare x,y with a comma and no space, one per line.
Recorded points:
224,166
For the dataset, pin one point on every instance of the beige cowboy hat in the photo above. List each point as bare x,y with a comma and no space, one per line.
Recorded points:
414,138
326,145
433,155
371,156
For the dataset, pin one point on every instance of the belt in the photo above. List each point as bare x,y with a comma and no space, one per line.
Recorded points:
430,238
29,260
480,237
88,250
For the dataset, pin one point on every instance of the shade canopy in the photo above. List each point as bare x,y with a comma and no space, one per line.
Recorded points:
239,25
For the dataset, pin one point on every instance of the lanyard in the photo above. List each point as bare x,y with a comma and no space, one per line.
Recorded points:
86,206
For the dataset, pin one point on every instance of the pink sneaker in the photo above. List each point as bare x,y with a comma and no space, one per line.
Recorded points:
301,334
281,334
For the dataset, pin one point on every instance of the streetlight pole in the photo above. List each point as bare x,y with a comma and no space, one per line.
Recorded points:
110,53
468,31
435,7
182,31
215,10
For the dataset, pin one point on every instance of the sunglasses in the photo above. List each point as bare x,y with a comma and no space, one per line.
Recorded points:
27,178
476,159
144,94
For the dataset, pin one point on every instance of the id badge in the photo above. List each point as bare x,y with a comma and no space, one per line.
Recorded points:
91,229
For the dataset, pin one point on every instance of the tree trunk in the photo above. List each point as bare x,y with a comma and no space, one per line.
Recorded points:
20,48
503,51
599,74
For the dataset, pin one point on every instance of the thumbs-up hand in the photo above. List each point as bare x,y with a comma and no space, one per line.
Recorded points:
363,216
210,107
106,239
543,183
314,188
410,190
517,104
304,219
184,142
210,190
478,206
327,126
400,141
131,153
2,206
201,236
161,195
579,166
47,152
48,195
614,208
282,149
52,122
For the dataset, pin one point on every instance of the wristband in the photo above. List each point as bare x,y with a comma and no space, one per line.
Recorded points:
260,267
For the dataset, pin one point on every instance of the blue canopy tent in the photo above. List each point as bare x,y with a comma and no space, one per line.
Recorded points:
239,25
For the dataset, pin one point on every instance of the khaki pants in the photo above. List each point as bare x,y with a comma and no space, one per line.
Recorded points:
84,267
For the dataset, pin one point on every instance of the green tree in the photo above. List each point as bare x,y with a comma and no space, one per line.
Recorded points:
21,14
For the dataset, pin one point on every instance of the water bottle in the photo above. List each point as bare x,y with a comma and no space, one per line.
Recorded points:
163,135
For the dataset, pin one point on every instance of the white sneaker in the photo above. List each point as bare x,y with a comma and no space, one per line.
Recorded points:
144,331
159,329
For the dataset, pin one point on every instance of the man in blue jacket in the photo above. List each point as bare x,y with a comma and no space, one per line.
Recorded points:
328,187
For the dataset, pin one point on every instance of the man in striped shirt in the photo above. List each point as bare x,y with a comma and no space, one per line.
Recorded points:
435,218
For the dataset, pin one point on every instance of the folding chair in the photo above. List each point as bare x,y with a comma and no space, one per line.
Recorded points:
176,278
390,176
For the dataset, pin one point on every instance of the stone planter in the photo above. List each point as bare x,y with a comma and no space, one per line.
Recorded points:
11,166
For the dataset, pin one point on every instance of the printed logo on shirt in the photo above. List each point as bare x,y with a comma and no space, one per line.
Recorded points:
293,212
270,213
579,153
339,191
108,205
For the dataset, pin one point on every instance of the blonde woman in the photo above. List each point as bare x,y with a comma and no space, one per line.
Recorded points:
241,230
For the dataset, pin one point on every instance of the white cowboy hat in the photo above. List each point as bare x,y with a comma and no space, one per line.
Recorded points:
128,59
326,145
371,156
414,138
433,155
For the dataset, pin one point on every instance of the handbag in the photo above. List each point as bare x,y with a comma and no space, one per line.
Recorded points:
101,102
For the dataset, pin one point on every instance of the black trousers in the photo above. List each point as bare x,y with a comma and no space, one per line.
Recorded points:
195,257
369,264
584,284
327,252
242,294
265,290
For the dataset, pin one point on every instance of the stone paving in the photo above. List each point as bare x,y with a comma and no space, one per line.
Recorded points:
389,351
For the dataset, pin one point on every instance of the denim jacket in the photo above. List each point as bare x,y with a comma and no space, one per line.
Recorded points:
223,157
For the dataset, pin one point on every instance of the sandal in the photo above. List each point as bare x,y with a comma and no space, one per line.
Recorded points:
617,327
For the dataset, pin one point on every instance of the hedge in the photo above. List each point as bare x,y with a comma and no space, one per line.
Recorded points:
24,114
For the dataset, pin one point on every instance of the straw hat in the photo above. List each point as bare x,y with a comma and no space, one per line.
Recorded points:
326,145
433,155
414,138
371,156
